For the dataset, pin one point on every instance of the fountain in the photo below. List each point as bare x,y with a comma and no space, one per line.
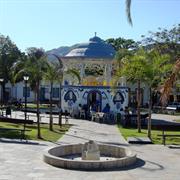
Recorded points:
90,156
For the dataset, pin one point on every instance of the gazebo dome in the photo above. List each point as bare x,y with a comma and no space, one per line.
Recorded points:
95,48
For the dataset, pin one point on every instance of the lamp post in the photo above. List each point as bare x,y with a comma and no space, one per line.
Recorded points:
1,81
26,78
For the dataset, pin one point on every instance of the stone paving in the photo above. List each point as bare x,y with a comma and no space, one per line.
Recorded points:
20,161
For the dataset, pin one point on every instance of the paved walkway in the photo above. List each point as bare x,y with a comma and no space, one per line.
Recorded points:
165,117
83,131
24,161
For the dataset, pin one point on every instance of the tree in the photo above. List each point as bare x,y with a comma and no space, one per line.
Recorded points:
149,67
165,41
9,54
121,54
157,68
51,75
35,65
60,74
121,43
133,68
55,74
166,89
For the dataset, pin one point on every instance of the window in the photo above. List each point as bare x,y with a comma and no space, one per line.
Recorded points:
55,92
28,91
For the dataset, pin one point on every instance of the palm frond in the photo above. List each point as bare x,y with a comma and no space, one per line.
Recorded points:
167,87
60,61
128,12
75,73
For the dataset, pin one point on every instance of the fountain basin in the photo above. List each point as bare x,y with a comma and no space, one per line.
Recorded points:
68,156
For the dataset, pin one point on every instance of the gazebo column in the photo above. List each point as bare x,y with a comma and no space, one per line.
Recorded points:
82,72
107,73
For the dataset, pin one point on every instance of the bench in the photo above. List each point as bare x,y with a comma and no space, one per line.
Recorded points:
32,116
131,119
21,131
170,127
167,135
15,120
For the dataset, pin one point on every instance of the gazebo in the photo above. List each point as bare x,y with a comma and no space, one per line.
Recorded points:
94,60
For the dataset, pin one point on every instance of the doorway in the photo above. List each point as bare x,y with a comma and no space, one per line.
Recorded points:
94,99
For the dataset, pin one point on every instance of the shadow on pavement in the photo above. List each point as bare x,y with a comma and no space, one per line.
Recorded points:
139,163
114,143
161,121
153,166
16,141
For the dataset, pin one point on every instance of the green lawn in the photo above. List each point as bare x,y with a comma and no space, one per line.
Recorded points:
34,106
178,120
31,135
131,132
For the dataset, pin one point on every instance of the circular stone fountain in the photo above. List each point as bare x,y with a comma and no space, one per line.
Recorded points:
90,156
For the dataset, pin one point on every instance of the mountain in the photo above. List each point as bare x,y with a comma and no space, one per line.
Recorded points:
61,51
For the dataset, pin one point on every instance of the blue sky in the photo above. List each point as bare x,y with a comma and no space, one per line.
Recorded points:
54,23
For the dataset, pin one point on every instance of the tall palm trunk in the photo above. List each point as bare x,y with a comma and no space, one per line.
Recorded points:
12,93
51,117
150,112
60,108
3,93
138,106
38,113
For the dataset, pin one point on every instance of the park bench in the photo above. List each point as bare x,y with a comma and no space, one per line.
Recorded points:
164,128
15,120
131,119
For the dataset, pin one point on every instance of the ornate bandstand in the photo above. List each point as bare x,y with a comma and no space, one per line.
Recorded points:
94,60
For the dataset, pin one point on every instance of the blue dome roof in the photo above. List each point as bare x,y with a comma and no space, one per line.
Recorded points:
95,48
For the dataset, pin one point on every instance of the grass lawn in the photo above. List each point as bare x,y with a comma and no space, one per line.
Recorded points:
34,106
178,120
127,132
46,134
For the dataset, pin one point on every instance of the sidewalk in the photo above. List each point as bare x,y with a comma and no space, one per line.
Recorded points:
84,130
25,161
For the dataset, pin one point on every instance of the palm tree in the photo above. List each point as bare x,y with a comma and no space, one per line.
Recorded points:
60,76
133,68
157,68
60,73
35,66
52,75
